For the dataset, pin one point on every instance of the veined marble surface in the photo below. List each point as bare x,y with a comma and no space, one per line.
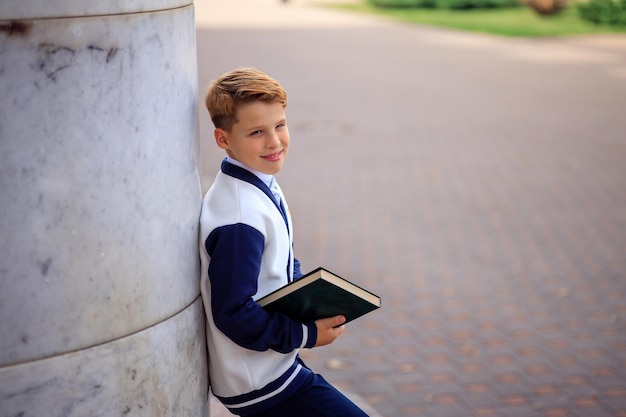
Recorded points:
38,9
160,371
100,192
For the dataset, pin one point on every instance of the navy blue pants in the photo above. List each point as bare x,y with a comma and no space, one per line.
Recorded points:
319,399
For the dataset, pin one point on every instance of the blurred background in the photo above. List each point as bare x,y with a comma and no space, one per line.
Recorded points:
466,161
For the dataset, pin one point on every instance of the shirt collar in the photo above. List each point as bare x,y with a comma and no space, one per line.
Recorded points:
266,178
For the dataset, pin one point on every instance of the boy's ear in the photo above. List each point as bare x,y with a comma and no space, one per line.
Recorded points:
221,138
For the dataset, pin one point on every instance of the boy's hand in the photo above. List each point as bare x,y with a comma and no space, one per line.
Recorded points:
326,330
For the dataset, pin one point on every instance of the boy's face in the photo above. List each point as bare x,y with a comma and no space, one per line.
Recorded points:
259,139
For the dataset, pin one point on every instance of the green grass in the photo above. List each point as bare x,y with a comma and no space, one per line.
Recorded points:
517,21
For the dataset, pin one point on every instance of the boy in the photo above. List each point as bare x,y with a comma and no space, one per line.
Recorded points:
246,250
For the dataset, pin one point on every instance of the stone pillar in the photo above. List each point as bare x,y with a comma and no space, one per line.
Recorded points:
100,313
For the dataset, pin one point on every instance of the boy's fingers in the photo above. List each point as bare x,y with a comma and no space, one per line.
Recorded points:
329,329
331,322
337,321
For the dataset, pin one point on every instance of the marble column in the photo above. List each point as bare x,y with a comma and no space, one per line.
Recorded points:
100,313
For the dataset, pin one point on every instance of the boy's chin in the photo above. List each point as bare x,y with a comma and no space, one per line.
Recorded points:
273,169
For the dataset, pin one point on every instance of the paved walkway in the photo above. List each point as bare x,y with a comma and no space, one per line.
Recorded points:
478,184
272,14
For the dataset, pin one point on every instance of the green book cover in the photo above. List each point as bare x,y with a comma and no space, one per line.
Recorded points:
321,294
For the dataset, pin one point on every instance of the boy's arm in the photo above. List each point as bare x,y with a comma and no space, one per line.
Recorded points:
236,252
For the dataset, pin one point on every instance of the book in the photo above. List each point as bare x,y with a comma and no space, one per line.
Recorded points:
321,294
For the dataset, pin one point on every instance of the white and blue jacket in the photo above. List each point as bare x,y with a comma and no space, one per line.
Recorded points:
246,251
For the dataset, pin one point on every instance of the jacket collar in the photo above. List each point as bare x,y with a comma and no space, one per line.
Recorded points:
247,176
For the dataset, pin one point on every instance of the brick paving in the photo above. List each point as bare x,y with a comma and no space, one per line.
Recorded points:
478,185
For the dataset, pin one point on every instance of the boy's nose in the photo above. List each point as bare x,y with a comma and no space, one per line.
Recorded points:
272,140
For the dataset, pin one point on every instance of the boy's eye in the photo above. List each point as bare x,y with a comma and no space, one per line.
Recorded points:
256,133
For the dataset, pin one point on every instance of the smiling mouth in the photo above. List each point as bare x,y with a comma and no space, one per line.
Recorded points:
273,157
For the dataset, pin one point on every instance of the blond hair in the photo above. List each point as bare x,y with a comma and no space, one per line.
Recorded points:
237,87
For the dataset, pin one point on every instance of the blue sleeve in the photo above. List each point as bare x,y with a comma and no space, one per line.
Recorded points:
236,252
297,273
